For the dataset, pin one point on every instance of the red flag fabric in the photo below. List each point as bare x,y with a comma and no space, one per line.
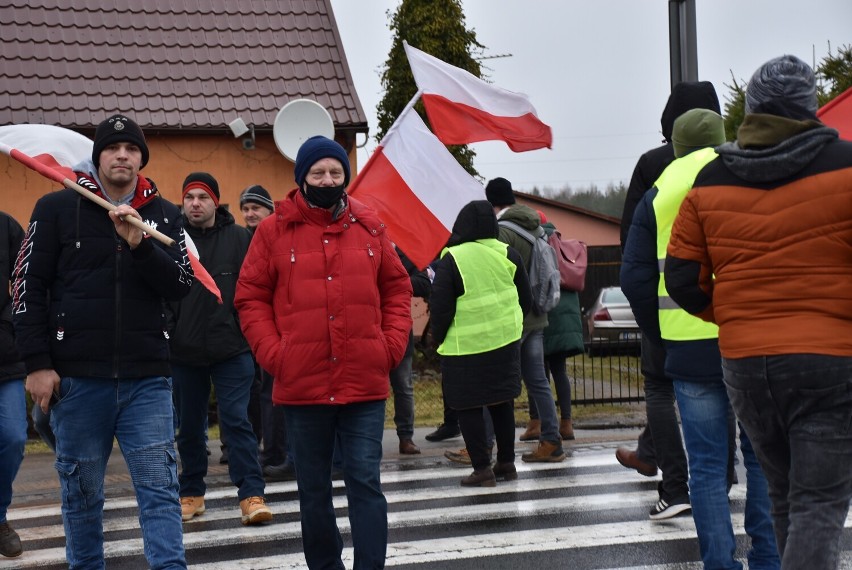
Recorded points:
417,187
54,151
837,114
464,109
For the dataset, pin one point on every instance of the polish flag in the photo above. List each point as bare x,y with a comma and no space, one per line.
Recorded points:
837,114
417,187
464,109
53,152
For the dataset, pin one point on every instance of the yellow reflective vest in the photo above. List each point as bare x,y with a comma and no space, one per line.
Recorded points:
672,187
488,315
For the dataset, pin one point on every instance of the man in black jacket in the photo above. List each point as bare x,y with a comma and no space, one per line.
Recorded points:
88,312
660,444
13,420
209,348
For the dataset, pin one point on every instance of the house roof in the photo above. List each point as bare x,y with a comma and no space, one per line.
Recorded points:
568,207
173,65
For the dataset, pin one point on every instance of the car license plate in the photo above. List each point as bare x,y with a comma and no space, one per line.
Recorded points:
629,336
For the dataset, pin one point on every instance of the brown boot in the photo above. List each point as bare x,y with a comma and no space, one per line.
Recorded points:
505,471
533,431
408,447
480,478
566,429
546,452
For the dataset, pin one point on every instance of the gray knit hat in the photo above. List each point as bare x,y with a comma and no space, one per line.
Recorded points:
258,195
787,78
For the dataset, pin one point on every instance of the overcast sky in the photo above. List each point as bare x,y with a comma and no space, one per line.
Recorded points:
597,71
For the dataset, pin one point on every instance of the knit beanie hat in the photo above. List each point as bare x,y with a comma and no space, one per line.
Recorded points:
787,78
258,195
116,129
499,192
315,149
695,129
203,181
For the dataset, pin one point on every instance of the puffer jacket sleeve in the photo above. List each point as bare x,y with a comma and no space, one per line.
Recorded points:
253,299
395,290
688,269
640,273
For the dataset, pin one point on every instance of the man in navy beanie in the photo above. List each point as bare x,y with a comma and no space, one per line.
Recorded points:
325,304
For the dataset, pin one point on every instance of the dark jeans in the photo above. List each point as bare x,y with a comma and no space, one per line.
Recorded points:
475,430
660,442
797,411
402,384
555,365
357,429
274,430
232,379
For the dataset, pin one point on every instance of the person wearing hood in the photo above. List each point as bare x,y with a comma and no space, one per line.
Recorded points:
479,298
325,304
762,246
502,198
693,360
89,325
208,350
660,444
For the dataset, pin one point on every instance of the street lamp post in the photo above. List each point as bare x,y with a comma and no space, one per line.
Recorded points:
683,50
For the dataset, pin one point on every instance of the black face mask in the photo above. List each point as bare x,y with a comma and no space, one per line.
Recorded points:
323,196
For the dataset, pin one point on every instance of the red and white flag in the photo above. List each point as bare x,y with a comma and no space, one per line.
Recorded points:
54,151
837,114
417,187
464,109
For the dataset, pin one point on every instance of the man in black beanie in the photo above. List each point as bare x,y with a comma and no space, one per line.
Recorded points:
208,348
89,326
255,204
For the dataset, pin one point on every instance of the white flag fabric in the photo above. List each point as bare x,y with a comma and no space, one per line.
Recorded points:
417,187
464,109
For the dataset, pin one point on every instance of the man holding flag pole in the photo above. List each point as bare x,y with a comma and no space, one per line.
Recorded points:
88,302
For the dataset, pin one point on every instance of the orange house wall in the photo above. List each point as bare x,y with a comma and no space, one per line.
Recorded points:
172,157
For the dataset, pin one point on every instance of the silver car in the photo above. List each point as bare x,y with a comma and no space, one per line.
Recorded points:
611,324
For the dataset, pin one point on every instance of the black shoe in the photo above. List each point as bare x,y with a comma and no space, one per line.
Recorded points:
223,459
668,509
443,432
284,472
10,542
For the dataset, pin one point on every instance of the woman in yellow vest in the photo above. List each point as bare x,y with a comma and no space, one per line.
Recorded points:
479,298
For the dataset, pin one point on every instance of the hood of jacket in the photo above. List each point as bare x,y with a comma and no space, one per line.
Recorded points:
522,215
688,95
476,220
771,147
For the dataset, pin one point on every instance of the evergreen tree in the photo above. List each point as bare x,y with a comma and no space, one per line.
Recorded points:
438,28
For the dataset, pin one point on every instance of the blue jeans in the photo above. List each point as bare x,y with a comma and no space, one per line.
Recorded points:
358,428
403,393
232,379
538,385
138,413
13,437
704,410
796,409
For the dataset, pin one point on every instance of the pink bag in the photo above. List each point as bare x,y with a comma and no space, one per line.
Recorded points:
572,258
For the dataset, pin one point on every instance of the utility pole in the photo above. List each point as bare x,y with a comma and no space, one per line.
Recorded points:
683,45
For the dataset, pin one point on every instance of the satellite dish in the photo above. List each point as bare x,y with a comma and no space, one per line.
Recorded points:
296,122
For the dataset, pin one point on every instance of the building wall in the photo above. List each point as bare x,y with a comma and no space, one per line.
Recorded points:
172,157
571,224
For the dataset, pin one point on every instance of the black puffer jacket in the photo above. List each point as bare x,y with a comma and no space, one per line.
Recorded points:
88,306
11,236
489,377
684,97
206,332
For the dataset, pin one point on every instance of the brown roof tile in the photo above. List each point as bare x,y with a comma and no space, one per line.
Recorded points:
172,64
